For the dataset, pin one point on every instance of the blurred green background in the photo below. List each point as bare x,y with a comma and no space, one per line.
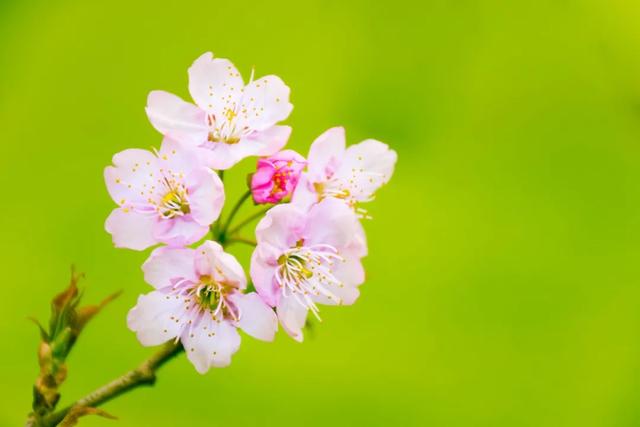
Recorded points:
504,270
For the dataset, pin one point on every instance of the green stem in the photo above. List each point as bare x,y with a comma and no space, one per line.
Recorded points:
238,239
222,232
248,220
145,374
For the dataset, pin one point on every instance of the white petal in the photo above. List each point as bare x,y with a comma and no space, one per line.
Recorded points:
167,263
256,318
177,158
262,275
153,319
221,156
215,85
206,195
349,271
305,194
281,227
131,177
179,231
271,140
332,222
130,229
264,103
366,167
292,316
212,260
172,116
210,343
325,154
345,295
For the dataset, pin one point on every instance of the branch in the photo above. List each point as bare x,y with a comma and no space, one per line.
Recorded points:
145,374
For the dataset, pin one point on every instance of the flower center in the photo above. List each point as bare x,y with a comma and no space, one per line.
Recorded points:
174,203
212,296
305,273
225,130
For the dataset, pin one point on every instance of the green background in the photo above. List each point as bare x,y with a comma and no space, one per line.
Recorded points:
504,270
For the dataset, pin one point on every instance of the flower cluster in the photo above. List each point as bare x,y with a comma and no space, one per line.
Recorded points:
308,245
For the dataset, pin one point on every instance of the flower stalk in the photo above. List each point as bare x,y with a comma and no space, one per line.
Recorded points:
143,375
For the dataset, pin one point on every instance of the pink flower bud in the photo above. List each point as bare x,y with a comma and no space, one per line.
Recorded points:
277,176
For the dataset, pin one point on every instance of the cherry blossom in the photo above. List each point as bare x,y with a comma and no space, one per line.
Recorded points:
230,120
305,258
199,300
276,177
163,197
350,174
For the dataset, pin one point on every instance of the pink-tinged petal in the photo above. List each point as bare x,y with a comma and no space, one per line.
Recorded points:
280,229
165,264
325,154
305,195
262,276
212,260
221,155
292,316
350,271
206,195
132,175
365,168
152,319
345,295
264,103
177,158
131,230
210,343
170,115
215,85
332,222
256,318
179,231
271,140
276,176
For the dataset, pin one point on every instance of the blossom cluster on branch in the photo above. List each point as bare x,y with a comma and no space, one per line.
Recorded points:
308,245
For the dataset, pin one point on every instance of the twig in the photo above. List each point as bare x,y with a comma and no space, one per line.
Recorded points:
145,374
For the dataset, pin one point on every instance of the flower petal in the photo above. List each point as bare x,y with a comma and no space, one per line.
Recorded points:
256,318
279,230
304,196
179,231
332,222
206,195
131,176
210,343
326,154
130,229
221,155
212,260
366,167
345,295
293,316
264,103
262,276
215,85
271,140
170,115
165,264
177,158
153,318
350,271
